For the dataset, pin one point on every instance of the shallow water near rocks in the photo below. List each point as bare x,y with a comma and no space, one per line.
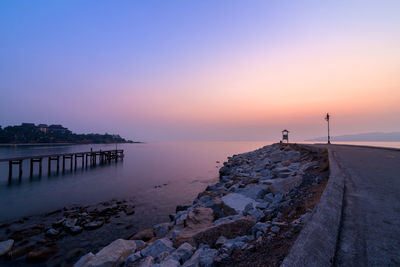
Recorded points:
156,176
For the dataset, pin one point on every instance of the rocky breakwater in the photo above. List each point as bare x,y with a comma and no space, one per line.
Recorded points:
250,218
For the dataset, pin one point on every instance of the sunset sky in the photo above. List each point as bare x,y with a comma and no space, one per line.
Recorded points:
201,70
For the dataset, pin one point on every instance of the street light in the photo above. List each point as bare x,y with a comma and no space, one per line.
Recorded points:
327,119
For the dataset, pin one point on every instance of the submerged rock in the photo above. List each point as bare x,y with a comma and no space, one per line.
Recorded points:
52,232
6,246
41,255
19,252
93,225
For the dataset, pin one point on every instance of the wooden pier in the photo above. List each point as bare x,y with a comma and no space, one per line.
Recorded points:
78,158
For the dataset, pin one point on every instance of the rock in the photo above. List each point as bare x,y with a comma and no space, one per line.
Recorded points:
130,211
159,246
84,259
285,184
19,252
167,263
142,262
144,235
200,216
309,166
263,205
161,229
114,254
180,218
207,256
256,214
139,244
278,197
75,230
59,222
134,257
175,233
269,198
260,227
282,172
93,225
220,241
253,191
20,233
194,261
227,219
211,188
233,244
182,253
248,208
223,171
52,232
241,226
198,219
69,223
237,201
181,208
202,257
6,246
162,257
220,209
275,229
40,255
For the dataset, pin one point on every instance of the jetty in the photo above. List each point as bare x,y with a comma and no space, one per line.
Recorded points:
83,158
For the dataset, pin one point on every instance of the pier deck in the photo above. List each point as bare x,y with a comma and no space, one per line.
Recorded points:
86,158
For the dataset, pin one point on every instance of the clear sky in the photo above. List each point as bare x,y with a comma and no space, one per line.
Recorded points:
201,70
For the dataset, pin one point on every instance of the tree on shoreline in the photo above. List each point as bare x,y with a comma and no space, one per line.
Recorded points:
28,133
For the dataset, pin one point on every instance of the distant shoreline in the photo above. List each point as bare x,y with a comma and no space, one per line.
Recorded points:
65,143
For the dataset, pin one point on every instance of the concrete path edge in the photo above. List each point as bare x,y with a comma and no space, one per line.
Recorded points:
316,243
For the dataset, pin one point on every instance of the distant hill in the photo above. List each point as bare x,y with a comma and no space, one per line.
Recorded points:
363,137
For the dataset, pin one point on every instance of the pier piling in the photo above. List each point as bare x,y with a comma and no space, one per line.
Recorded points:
91,158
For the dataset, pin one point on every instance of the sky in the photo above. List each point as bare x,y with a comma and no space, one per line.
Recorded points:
202,70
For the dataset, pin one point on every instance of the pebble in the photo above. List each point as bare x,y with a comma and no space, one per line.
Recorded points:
275,229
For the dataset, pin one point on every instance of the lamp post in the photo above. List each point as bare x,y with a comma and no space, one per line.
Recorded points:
327,119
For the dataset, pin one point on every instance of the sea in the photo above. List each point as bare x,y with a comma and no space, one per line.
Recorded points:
155,176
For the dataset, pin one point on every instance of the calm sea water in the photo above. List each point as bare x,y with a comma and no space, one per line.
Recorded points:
181,169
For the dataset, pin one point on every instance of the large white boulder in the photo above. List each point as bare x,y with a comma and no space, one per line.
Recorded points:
254,191
113,254
237,201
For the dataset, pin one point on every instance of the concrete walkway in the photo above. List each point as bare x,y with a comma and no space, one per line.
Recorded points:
370,227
